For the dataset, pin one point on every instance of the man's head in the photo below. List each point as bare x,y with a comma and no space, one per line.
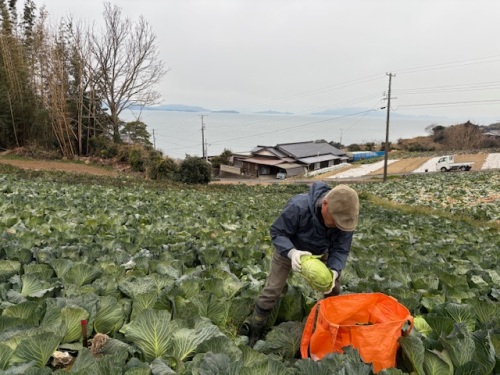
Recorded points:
340,208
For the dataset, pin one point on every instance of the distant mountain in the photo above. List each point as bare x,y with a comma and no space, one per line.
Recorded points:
274,113
339,112
176,108
225,111
183,108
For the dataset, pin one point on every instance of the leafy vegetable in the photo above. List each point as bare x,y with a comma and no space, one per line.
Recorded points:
37,348
151,332
316,273
5,354
153,267
8,268
72,317
110,316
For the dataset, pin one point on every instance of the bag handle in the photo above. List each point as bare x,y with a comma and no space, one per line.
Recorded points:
334,330
407,326
309,330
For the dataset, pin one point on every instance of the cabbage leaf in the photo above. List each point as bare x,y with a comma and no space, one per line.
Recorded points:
151,332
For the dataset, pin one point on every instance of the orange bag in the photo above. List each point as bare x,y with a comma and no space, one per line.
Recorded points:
370,322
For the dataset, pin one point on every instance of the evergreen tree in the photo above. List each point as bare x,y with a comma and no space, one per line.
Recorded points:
17,112
137,132
194,170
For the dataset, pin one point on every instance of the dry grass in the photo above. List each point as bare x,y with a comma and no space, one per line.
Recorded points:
478,160
51,165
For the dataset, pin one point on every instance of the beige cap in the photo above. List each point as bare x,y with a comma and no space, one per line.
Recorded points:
343,205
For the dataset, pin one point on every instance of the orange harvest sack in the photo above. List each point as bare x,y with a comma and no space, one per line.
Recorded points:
370,322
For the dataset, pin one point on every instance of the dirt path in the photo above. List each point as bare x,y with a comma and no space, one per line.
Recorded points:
60,166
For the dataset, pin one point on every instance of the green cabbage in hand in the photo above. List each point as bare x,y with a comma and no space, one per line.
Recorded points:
316,273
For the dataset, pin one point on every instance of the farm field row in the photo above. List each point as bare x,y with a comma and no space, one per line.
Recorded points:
475,195
165,275
414,165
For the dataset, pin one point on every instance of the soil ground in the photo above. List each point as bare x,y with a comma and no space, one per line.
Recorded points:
402,166
65,166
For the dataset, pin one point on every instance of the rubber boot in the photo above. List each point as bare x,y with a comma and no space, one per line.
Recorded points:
257,325
253,327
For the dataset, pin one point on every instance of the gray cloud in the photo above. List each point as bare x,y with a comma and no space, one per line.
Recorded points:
303,55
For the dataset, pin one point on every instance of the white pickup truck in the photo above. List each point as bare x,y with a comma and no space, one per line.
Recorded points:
447,163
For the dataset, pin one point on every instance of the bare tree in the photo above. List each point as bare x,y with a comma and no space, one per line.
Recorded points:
463,137
125,64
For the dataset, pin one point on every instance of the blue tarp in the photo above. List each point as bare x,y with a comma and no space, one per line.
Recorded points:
366,155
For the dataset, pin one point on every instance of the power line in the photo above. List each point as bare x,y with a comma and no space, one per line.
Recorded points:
453,88
482,86
318,91
340,85
364,115
444,104
480,60
488,59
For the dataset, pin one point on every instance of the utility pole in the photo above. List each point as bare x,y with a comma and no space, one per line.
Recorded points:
206,149
203,149
386,154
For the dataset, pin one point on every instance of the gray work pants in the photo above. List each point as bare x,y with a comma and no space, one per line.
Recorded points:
276,280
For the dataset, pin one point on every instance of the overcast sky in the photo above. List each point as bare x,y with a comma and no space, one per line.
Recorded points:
303,56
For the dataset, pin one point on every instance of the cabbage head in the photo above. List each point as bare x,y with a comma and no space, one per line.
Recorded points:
316,273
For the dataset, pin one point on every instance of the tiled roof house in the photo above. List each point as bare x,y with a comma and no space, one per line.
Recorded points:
293,158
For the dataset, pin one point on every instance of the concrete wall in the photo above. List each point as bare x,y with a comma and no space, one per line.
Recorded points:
229,171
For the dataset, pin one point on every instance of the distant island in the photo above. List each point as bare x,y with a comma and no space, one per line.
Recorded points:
340,112
274,113
175,108
225,111
182,108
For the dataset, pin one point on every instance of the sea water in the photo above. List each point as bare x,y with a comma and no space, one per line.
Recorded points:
178,134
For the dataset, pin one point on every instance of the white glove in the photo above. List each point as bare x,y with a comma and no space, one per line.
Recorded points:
294,256
335,276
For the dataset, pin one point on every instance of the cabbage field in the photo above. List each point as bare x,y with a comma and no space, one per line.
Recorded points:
165,274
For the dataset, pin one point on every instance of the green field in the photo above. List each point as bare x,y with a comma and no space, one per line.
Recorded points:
165,274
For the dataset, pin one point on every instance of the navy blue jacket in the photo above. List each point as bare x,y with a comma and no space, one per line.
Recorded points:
299,226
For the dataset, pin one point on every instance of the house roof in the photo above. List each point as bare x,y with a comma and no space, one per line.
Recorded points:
271,149
318,159
308,149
